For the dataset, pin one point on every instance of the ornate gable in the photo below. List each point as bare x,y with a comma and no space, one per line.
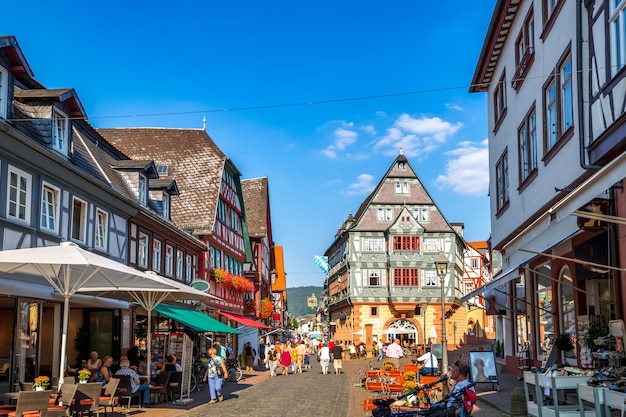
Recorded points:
406,224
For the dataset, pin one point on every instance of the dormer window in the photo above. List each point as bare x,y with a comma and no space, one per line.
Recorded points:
60,129
4,92
162,170
143,190
166,206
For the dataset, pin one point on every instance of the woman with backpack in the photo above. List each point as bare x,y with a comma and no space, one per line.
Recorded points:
272,360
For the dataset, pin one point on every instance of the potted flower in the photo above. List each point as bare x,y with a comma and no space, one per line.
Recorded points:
267,308
41,383
410,376
564,342
83,376
388,366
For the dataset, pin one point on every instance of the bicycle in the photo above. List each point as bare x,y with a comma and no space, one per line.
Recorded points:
234,371
383,405
197,376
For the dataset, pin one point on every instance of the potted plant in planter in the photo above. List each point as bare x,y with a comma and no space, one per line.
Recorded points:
83,376
41,383
564,342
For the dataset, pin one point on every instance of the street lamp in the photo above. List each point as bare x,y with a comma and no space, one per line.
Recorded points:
442,270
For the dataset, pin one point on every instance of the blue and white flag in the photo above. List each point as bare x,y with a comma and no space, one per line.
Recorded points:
322,262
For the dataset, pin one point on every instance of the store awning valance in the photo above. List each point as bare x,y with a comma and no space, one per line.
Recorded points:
196,320
244,320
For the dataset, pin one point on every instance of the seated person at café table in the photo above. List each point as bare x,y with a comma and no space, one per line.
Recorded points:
448,407
431,366
135,383
172,365
104,373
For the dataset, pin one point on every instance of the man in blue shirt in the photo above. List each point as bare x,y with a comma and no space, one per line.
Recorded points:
135,382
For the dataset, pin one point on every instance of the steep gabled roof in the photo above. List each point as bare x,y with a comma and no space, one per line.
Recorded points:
40,96
19,66
256,201
418,196
192,158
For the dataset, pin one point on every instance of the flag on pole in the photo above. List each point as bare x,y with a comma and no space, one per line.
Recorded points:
322,263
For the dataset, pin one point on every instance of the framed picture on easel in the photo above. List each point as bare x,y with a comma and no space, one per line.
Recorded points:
483,367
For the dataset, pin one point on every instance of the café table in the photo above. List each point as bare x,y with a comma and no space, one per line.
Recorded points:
10,396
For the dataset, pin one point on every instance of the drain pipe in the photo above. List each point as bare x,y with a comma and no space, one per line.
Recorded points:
581,106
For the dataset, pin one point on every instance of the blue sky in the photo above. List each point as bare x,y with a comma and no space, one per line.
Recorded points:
317,96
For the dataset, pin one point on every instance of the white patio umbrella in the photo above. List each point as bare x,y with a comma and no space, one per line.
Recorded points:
150,298
68,268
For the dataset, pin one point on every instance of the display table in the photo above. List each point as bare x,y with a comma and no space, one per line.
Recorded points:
534,385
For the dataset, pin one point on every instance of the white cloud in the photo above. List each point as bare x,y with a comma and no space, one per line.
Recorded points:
369,129
467,169
454,107
416,136
363,185
343,136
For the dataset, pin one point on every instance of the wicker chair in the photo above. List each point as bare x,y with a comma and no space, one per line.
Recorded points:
64,406
26,386
31,403
109,399
87,398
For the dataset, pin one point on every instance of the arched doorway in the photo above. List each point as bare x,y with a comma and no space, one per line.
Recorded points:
404,330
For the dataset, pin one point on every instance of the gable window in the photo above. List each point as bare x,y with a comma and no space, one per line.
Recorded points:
406,277
143,250
169,260
617,22
162,170
402,187
4,92
381,214
558,104
143,190
524,50
234,220
527,140
499,101
474,263
373,276
50,203
430,278
221,211
166,206
180,261
79,219
388,214
156,255
502,181
18,200
60,129
102,226
411,243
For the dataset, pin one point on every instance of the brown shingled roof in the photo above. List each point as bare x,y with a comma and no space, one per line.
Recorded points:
194,160
255,197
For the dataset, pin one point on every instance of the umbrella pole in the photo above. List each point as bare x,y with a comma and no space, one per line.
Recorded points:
149,344
66,319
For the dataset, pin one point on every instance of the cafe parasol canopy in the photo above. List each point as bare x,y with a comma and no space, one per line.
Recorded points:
68,269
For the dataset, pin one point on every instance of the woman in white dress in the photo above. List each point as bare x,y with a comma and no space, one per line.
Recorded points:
325,358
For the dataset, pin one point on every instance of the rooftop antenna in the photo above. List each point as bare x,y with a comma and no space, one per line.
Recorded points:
204,123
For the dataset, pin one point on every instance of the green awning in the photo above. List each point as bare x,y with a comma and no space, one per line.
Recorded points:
196,320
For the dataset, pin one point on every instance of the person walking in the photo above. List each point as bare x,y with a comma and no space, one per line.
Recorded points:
300,350
285,360
379,345
324,358
213,377
394,353
337,357
272,360
249,352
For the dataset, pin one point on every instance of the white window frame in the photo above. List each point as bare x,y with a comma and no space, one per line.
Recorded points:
169,260
4,92
142,190
157,247
527,143
166,206
389,214
50,207
373,274
60,131
81,235
430,278
617,23
102,230
405,187
381,214
432,245
474,263
180,260
424,215
19,205
502,181
142,256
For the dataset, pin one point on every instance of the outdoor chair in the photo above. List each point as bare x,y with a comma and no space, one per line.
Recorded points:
31,404
87,398
160,389
375,388
64,406
395,388
125,390
110,396
174,385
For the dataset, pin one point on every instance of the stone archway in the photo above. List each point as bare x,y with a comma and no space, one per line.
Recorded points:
404,329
